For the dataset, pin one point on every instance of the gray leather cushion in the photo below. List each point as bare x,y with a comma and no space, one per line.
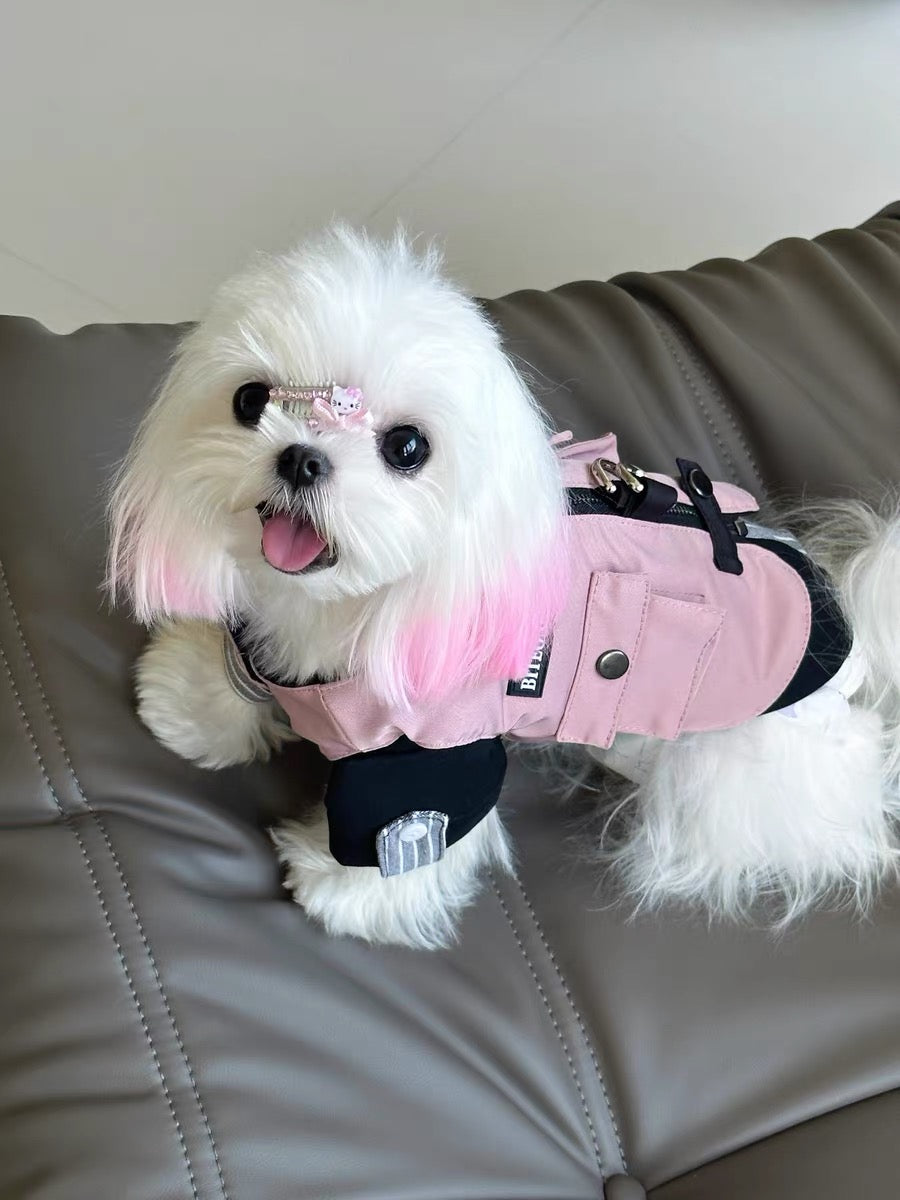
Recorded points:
171,1025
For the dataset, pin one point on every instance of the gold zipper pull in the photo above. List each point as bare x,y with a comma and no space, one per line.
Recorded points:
630,476
606,472
599,470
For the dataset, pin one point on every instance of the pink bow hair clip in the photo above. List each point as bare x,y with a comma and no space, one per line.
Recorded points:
324,405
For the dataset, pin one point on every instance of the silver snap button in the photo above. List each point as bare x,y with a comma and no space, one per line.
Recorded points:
413,832
612,664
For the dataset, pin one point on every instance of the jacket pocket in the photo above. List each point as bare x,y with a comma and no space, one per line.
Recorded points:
678,641
642,658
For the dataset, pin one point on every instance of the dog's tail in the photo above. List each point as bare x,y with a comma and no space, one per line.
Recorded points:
859,546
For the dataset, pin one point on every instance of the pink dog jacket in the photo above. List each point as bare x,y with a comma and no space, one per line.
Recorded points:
681,617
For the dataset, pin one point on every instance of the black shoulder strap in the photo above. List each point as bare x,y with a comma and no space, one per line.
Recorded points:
697,484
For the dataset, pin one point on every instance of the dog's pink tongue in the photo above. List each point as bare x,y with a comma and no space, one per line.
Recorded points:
290,543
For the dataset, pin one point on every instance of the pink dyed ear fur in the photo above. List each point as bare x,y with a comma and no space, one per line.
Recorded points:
149,570
181,597
495,638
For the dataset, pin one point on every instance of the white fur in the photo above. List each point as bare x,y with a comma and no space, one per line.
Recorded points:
774,809
797,808
860,547
184,696
418,909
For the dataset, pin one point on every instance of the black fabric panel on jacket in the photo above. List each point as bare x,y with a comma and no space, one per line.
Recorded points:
367,791
830,638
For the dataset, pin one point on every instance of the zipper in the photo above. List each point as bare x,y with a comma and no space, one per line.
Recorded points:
597,501
584,501
684,510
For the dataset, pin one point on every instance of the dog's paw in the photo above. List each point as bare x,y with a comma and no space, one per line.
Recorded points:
418,909
185,700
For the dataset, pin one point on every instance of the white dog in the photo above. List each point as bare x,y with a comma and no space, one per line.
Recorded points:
413,550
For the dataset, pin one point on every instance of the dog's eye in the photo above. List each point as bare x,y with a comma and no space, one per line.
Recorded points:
249,402
404,448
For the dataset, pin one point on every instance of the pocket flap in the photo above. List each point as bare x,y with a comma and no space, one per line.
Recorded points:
643,656
616,611
677,644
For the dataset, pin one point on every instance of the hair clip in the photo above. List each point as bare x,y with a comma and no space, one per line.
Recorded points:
326,404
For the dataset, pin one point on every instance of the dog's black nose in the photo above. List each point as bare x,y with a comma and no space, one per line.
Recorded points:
302,466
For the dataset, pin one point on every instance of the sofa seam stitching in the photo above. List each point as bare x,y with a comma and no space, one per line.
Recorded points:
121,875
98,891
716,392
669,341
668,327
578,1019
556,1026
163,996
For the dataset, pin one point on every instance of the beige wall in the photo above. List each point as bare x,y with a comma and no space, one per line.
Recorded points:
145,149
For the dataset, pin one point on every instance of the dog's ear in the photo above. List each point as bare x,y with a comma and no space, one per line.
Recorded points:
157,557
161,554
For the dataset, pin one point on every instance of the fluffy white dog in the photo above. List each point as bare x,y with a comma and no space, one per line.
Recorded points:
411,541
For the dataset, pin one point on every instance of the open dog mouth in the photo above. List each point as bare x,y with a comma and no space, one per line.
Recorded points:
291,543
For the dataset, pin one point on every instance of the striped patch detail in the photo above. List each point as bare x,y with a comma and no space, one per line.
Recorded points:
412,841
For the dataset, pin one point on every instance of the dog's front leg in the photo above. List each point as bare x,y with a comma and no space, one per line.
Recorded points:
419,909
187,702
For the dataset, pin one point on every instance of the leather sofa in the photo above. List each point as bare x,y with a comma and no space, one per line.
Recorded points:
173,1028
